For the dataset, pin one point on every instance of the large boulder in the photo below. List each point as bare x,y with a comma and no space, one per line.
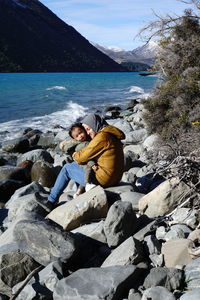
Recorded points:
98,283
163,199
119,223
85,208
44,241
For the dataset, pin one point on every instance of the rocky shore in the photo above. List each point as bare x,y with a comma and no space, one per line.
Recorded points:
137,240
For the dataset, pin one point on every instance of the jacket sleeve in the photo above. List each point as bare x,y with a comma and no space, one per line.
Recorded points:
97,146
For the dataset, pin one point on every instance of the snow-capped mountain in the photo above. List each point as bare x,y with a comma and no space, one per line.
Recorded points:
148,50
145,54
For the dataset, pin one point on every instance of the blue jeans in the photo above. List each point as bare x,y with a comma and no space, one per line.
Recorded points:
69,171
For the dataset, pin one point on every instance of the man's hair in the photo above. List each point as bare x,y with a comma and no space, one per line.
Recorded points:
75,125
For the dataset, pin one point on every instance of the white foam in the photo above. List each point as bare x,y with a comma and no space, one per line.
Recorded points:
64,118
56,87
136,89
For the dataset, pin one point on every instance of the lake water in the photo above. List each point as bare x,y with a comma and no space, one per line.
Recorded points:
43,100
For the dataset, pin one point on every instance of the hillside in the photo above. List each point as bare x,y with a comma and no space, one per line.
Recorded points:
33,39
139,59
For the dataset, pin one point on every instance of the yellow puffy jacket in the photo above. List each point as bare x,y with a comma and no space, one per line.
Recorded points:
107,150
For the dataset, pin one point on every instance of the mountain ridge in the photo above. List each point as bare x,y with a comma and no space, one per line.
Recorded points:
34,39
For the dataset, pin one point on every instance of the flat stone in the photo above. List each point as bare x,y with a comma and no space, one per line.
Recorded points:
129,252
132,197
94,231
85,208
180,256
98,283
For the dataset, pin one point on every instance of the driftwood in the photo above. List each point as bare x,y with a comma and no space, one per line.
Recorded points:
28,278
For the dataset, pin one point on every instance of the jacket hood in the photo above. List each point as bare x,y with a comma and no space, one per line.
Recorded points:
115,131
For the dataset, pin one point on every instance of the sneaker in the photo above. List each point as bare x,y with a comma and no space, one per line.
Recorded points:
89,186
44,202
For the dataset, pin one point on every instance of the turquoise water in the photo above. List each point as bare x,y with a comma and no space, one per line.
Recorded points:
43,100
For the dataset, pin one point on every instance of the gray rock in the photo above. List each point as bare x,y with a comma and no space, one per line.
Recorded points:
170,278
14,267
136,149
98,283
139,235
119,223
22,205
132,197
192,274
124,126
62,135
36,155
191,295
42,285
150,142
135,137
177,231
157,293
25,190
152,244
47,140
157,259
160,233
20,145
94,230
52,243
133,295
129,252
185,216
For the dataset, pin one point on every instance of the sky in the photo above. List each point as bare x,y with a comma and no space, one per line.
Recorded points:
113,22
